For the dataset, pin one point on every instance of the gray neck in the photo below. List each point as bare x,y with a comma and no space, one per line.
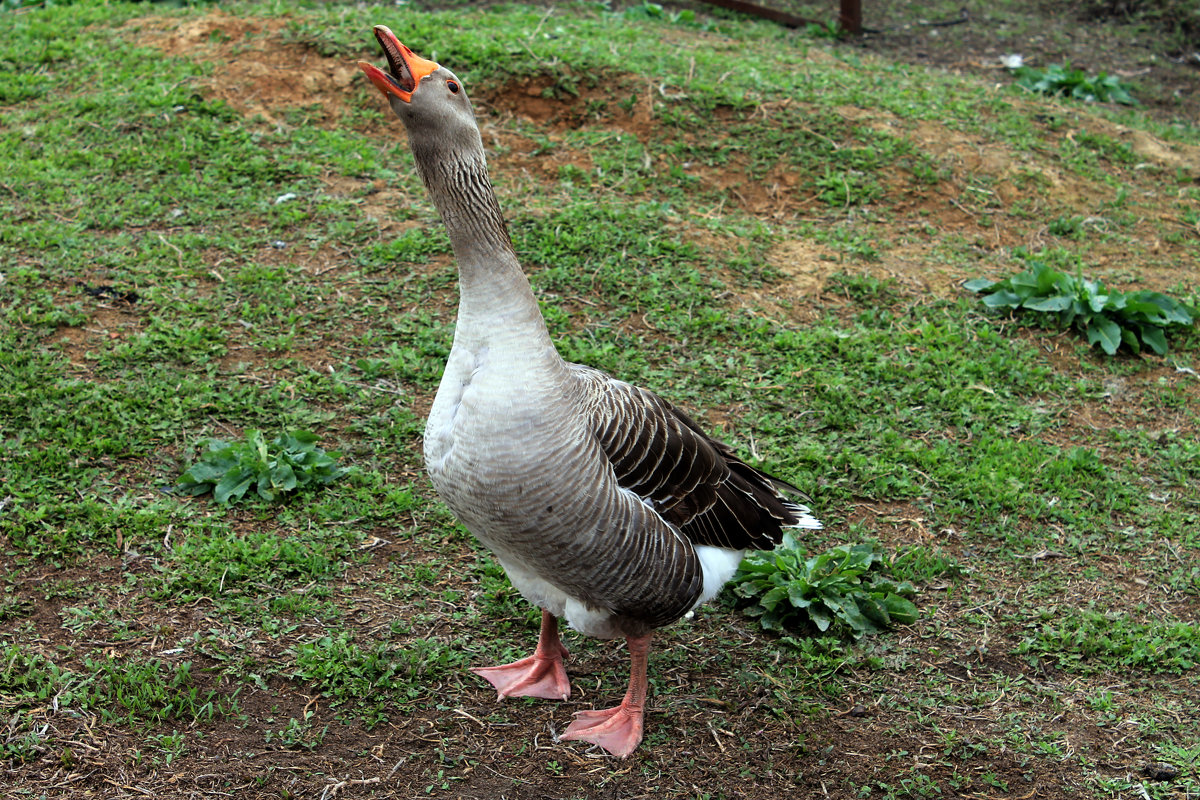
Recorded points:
491,279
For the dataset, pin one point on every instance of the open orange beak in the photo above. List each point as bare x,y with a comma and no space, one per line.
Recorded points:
407,68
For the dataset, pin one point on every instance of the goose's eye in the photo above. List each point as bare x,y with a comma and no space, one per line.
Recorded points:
452,86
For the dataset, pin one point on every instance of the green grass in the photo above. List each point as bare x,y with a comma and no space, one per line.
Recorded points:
125,693
1041,498
1087,640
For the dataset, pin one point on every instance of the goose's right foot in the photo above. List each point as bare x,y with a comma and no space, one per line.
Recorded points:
539,675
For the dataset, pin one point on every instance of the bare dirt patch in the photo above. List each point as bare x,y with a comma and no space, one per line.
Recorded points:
807,264
970,36
253,71
106,325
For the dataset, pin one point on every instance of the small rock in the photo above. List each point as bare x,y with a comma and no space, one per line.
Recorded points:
858,711
1114,387
1159,771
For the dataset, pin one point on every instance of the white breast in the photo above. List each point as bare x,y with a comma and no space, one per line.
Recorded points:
443,424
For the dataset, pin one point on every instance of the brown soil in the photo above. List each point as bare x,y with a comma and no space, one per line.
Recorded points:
252,70
970,36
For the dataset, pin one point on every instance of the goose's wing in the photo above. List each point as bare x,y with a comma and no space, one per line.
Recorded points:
693,481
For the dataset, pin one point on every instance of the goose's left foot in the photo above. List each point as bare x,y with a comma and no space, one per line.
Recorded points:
618,730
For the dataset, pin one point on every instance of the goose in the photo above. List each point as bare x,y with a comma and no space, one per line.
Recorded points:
606,505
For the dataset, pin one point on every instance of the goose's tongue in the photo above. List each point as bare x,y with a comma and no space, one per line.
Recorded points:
406,67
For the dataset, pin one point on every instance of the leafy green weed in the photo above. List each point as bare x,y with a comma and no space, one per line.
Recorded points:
843,585
1062,79
289,462
1107,317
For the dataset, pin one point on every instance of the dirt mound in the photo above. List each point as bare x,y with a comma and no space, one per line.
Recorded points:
253,70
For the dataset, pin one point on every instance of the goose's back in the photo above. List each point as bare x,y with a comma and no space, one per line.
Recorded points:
695,482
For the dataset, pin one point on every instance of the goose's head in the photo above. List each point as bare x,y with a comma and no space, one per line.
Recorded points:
428,98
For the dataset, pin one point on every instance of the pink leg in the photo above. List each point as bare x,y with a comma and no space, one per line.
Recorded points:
618,730
539,675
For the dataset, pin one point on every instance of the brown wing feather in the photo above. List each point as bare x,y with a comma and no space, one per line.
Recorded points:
693,481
